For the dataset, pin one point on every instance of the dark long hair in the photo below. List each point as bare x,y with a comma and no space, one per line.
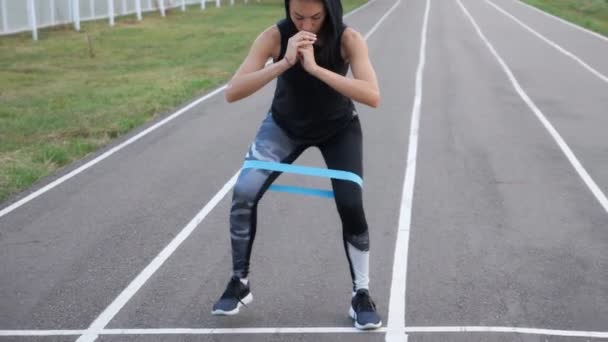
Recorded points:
327,55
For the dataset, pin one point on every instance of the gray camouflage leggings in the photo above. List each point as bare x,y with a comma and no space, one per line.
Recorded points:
342,151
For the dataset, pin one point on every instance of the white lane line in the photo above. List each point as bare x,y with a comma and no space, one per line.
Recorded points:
105,155
311,330
41,332
119,147
597,192
550,42
225,331
108,314
359,8
396,311
595,34
516,330
373,29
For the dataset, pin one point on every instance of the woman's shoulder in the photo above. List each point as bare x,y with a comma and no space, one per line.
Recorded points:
270,39
350,35
271,33
349,39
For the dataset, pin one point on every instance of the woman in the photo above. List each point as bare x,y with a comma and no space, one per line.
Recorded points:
312,106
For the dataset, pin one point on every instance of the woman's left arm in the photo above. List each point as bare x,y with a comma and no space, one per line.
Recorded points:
363,87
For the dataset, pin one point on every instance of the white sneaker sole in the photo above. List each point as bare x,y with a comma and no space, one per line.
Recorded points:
368,326
248,299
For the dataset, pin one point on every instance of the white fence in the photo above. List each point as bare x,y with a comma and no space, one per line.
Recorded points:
30,15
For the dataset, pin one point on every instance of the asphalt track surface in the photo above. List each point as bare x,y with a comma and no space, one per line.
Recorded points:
486,173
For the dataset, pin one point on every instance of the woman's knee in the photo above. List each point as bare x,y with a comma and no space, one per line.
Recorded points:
243,193
352,215
349,199
244,200
249,185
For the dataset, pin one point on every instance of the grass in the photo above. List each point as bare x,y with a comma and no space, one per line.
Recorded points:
70,93
591,14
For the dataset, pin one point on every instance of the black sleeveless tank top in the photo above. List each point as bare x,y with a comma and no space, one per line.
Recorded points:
304,106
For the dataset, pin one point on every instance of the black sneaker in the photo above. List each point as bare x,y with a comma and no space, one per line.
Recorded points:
363,311
236,295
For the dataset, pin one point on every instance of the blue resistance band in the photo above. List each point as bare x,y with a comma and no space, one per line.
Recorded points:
303,170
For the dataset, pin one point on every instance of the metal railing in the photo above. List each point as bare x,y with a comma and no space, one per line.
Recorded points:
30,15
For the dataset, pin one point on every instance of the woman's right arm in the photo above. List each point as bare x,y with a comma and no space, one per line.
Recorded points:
252,75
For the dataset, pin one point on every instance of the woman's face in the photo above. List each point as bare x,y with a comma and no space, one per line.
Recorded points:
307,15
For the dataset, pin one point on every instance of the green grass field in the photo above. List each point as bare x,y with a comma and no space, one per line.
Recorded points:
592,14
69,93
